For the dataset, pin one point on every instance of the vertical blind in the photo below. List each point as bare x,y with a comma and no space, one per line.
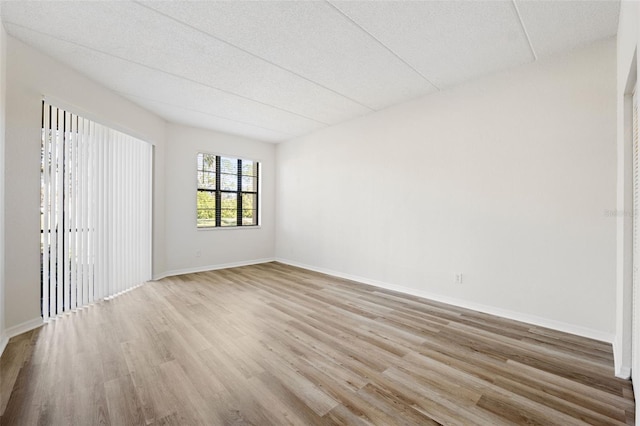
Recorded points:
635,321
95,214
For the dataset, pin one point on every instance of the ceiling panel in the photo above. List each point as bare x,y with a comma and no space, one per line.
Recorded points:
144,37
329,48
448,42
560,25
195,118
126,77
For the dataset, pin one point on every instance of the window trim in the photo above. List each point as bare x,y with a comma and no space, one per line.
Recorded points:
218,192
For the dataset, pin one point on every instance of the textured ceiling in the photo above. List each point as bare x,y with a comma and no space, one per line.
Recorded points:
273,70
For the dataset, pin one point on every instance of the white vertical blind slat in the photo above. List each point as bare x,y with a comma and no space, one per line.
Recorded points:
59,212
110,179
635,355
80,194
52,211
103,276
117,201
91,217
124,248
80,225
84,213
45,234
66,210
94,217
72,141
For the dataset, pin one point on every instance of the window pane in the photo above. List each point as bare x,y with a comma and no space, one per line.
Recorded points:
210,179
249,202
229,217
206,200
229,182
229,165
207,180
206,209
206,162
248,183
229,201
206,222
229,209
249,168
210,162
249,217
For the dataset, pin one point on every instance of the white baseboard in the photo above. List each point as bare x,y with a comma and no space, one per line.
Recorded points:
18,329
623,373
504,313
3,343
23,327
212,267
621,370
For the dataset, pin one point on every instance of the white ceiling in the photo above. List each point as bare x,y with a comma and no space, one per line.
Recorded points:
273,70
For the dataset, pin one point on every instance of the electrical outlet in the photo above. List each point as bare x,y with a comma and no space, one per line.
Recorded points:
198,253
459,278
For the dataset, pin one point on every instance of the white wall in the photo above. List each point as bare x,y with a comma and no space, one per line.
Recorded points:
220,247
31,75
627,40
505,179
3,89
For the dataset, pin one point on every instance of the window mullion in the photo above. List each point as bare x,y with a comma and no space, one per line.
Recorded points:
218,193
239,194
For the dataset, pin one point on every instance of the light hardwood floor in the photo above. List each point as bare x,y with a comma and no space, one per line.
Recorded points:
272,344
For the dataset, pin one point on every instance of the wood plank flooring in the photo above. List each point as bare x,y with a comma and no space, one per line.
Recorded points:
275,345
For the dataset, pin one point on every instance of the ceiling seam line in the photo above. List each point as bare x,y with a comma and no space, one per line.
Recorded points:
524,29
167,73
255,56
382,44
127,94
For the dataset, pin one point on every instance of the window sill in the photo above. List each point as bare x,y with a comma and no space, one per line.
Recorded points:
229,228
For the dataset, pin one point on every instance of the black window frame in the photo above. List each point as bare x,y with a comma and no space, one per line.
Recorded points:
218,192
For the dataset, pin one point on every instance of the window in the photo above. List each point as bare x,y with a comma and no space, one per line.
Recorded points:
227,191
